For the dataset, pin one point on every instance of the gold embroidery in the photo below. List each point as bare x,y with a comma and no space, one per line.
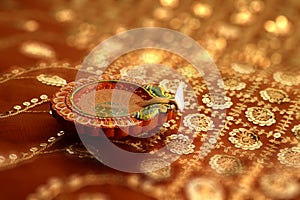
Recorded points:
260,116
287,78
274,95
180,144
217,101
52,80
232,83
198,122
225,164
290,157
189,71
74,183
134,72
171,85
244,139
14,159
28,105
296,131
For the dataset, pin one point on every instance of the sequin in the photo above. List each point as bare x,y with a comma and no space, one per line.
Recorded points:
17,107
34,100
26,103
43,97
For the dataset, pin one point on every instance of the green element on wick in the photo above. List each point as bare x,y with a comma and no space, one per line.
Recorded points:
111,109
151,111
158,91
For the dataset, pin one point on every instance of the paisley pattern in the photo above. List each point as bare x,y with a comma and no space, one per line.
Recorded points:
53,80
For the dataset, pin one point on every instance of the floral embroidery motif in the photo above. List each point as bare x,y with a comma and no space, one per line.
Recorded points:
134,72
217,101
190,72
231,83
225,164
260,116
171,85
280,186
287,78
296,131
157,169
198,122
274,95
290,157
243,68
180,144
244,139
204,188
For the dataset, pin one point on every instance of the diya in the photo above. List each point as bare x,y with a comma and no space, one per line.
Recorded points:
113,105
